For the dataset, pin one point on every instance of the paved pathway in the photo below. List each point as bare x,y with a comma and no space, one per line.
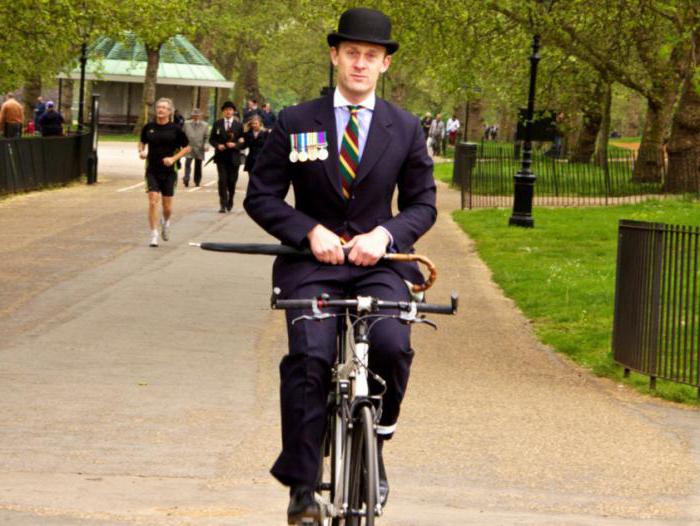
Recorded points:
139,386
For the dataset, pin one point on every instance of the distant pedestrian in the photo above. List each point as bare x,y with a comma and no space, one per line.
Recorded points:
268,117
254,139
11,117
51,122
251,109
224,138
425,124
39,110
178,119
197,133
453,126
162,144
437,134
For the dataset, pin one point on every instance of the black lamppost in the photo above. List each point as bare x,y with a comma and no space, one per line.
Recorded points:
525,179
81,97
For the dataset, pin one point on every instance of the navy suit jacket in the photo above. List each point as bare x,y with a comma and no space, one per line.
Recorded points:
395,156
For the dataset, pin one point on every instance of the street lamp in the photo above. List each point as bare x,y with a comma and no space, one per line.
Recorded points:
81,97
525,179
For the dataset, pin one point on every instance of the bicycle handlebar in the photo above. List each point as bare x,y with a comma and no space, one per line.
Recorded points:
284,250
405,306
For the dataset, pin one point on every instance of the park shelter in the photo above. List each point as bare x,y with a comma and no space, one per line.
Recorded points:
116,70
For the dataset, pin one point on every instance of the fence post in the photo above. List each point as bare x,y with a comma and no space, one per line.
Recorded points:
465,159
92,156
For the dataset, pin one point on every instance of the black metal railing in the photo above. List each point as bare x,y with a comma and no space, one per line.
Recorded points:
560,182
656,327
31,163
34,162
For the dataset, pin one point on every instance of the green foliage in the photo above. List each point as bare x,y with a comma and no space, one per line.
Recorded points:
562,273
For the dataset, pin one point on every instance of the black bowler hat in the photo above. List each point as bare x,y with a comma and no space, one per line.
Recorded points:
364,25
228,104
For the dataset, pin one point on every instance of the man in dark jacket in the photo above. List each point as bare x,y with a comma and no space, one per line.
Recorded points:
51,122
342,197
227,154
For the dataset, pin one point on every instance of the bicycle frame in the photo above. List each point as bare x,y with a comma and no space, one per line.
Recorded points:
351,385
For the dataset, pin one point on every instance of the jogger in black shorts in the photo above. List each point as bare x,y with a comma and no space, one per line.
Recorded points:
166,144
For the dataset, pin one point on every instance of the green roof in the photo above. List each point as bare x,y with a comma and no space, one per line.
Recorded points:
124,60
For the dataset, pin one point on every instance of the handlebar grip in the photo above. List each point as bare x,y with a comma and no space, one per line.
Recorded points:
293,304
440,309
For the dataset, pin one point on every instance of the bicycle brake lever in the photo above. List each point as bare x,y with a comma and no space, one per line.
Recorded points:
426,321
316,317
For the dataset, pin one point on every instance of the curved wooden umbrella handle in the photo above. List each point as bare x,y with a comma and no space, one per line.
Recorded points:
417,287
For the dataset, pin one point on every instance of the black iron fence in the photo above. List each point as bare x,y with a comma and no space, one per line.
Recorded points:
656,328
30,163
560,182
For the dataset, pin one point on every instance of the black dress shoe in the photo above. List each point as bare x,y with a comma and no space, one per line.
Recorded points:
303,507
222,210
383,482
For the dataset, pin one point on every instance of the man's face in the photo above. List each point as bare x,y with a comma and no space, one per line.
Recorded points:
359,65
228,113
162,110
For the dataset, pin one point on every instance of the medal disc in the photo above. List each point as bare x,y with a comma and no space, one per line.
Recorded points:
303,157
293,156
323,154
313,154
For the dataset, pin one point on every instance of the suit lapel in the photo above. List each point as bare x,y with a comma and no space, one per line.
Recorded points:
378,140
326,120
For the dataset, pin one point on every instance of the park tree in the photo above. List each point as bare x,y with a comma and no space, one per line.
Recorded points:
154,22
645,45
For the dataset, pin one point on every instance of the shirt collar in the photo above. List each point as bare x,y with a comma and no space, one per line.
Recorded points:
341,102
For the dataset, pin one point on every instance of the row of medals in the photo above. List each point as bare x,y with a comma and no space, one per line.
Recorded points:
313,152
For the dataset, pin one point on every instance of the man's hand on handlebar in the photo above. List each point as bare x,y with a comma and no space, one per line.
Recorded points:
326,245
367,249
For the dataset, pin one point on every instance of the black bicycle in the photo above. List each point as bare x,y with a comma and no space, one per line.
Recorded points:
348,481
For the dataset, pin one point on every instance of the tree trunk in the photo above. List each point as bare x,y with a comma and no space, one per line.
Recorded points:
590,126
601,147
506,123
66,108
30,92
649,167
149,87
684,146
248,86
474,127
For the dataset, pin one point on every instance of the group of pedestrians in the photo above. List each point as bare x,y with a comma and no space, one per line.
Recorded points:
170,137
438,132
47,120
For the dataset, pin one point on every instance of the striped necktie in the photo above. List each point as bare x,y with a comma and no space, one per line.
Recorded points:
350,152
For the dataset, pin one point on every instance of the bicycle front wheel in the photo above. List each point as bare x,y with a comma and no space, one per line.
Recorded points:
362,488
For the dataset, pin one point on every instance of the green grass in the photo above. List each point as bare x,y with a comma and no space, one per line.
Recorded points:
443,172
562,275
124,137
627,139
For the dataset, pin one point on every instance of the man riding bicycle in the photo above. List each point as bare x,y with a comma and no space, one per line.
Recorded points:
345,154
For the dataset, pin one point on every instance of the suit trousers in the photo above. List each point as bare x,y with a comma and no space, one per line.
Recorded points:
306,371
197,170
228,176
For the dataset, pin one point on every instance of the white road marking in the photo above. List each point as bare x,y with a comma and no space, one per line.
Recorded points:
142,183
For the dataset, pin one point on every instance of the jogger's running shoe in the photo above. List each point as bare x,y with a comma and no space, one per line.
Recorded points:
154,239
165,230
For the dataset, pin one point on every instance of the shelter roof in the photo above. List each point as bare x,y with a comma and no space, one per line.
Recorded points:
124,60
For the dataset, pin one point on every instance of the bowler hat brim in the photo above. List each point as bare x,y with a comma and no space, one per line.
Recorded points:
336,38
